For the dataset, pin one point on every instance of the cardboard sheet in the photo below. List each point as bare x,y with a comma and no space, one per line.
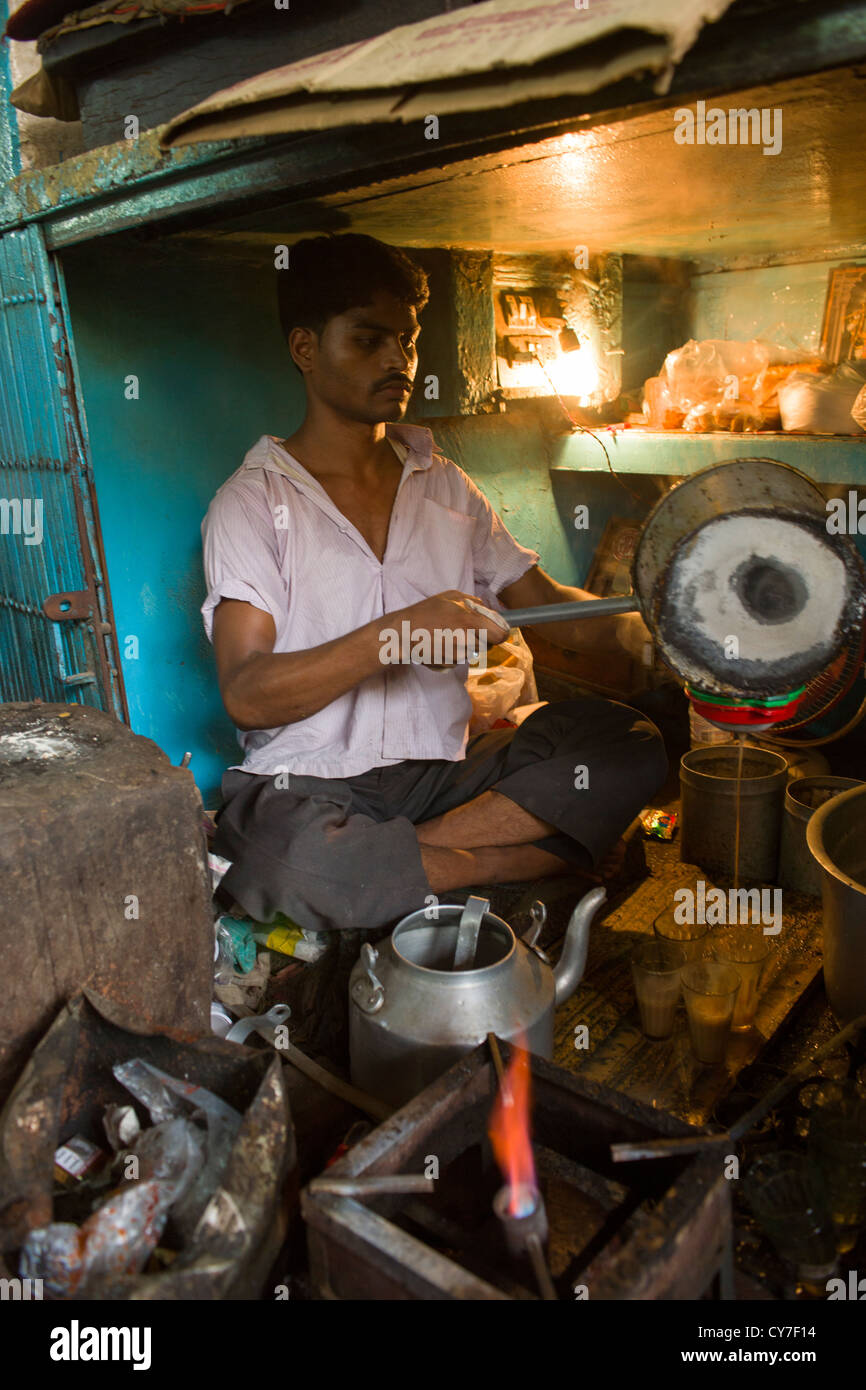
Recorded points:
480,57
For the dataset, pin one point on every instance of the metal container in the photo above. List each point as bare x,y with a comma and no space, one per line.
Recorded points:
412,1014
797,869
836,836
741,550
708,786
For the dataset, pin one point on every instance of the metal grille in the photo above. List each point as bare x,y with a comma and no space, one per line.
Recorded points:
49,545
834,702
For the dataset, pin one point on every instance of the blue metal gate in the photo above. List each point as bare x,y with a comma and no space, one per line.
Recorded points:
56,636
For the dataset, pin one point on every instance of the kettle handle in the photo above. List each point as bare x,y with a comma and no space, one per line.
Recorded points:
369,1000
467,933
538,915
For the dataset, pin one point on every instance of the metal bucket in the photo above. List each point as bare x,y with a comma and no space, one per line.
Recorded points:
797,869
708,786
836,835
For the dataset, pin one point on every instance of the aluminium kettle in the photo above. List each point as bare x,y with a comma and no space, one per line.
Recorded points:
446,977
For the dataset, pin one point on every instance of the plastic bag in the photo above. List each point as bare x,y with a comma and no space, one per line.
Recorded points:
218,867
822,404
508,680
149,1085
658,408
148,1089
736,416
224,954
157,1090
712,371
171,1154
112,1246
178,1172
494,692
53,1254
243,946
721,384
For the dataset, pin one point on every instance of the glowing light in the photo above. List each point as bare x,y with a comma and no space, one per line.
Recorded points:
574,373
509,1134
569,374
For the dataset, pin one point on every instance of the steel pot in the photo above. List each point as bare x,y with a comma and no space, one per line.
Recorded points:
836,836
439,985
708,785
797,868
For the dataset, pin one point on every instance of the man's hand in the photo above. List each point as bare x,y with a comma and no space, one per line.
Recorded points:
634,637
432,619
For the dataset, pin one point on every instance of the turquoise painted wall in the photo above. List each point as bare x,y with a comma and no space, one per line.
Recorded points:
516,462
507,456
202,337
783,304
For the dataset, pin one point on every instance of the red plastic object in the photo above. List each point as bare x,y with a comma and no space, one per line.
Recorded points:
746,716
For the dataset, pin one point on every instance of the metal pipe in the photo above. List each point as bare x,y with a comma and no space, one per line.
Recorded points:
546,1287
668,1148
375,1185
370,1105
664,1148
574,608
493,1044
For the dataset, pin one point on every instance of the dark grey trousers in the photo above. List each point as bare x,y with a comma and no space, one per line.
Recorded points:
343,853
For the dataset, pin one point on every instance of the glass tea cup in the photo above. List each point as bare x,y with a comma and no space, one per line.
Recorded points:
655,970
837,1145
747,950
691,937
710,990
790,1201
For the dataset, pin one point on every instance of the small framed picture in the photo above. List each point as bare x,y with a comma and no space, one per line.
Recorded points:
843,332
610,571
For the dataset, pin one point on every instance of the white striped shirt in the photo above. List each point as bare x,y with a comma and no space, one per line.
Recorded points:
273,537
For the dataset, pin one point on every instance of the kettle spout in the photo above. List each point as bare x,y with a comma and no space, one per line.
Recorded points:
569,971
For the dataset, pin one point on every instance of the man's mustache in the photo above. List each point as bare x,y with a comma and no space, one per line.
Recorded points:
397,380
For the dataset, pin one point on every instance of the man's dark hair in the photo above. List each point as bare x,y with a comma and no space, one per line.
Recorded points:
328,275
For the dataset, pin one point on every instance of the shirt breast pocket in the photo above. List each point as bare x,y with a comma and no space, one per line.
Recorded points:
442,549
